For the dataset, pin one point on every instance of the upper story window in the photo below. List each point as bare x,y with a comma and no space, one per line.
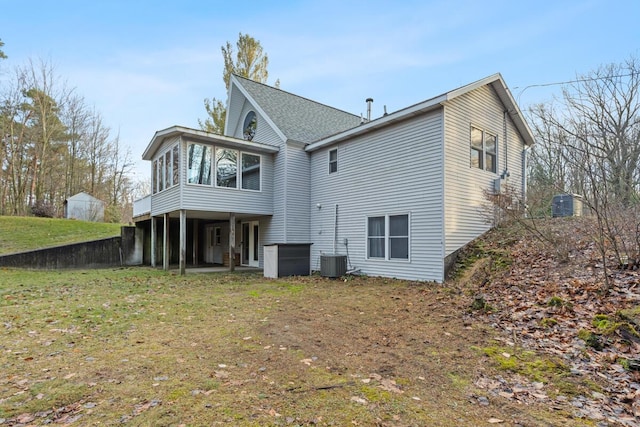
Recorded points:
166,169
250,125
250,172
199,164
483,150
388,237
333,160
236,169
233,168
226,168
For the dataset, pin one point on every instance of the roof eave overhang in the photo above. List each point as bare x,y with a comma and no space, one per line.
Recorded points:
404,114
206,137
495,80
513,109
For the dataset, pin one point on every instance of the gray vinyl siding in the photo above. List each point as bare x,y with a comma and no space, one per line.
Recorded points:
466,214
298,194
274,226
239,106
167,200
394,170
212,198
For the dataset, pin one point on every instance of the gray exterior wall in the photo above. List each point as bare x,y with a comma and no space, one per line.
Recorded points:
394,170
466,208
298,195
239,106
211,198
289,178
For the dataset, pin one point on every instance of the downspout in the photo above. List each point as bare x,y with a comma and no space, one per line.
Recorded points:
525,172
286,187
335,229
505,172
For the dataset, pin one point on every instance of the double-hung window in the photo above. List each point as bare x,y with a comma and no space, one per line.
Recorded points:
388,237
333,160
484,147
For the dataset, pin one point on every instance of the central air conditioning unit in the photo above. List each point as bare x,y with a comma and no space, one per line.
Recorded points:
333,265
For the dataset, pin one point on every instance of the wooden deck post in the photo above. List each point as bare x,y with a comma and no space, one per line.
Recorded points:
154,240
196,235
165,243
232,241
183,242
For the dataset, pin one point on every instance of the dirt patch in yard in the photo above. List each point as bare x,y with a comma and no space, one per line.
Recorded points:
411,342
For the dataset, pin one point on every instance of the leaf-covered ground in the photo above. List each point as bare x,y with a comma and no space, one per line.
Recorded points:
560,306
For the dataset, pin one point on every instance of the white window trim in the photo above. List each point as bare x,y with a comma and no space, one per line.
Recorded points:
162,170
238,186
240,172
330,162
484,148
215,168
186,175
387,246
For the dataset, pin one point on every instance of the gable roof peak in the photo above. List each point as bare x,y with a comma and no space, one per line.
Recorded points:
296,117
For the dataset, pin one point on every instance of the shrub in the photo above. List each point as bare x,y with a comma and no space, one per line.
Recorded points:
43,209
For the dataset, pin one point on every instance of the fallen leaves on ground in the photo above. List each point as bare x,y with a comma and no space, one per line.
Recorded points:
542,304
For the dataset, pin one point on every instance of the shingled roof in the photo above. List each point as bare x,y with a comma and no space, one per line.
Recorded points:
299,119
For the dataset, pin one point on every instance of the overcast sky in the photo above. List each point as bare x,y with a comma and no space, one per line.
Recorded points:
147,65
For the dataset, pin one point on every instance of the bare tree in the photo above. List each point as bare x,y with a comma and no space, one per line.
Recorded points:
590,144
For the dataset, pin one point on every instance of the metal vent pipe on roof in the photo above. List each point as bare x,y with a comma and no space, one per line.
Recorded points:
369,101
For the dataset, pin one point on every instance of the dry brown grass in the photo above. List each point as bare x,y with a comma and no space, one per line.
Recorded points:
144,347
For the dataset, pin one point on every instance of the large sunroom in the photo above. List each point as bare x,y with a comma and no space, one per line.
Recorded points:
211,198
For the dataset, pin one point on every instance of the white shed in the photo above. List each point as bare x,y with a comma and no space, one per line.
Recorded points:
84,207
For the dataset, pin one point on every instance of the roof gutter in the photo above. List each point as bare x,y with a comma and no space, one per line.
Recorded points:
205,137
389,119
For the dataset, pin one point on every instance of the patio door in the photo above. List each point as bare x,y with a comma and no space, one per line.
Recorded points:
250,244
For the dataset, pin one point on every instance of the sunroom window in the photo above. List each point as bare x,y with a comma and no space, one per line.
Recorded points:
226,168
199,164
250,172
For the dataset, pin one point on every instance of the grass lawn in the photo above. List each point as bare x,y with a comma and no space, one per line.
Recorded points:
146,347
19,234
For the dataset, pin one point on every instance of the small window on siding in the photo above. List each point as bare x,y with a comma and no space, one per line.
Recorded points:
333,160
483,150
